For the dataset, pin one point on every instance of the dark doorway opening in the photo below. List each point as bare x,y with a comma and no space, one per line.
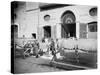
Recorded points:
14,31
68,28
72,29
34,35
47,31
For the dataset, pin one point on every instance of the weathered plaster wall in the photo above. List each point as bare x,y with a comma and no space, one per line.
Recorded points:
27,19
81,13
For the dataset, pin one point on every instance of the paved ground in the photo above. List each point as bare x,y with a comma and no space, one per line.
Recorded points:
32,64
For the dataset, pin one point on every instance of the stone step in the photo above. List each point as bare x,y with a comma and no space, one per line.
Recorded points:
68,66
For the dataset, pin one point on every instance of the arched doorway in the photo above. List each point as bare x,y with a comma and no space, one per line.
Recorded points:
68,27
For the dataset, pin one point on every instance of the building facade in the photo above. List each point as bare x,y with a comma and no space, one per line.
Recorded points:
69,21
48,21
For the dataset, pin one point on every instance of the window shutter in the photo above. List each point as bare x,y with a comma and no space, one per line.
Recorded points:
83,30
53,31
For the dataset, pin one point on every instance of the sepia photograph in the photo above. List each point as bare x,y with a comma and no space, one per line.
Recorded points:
53,37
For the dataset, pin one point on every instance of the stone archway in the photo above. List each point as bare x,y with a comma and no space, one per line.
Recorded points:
68,24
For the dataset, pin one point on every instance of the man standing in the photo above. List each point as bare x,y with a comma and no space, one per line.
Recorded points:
36,48
52,49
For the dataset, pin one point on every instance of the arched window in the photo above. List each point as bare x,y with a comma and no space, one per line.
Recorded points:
47,17
93,11
68,18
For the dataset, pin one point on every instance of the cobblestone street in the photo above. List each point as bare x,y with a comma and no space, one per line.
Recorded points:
33,65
